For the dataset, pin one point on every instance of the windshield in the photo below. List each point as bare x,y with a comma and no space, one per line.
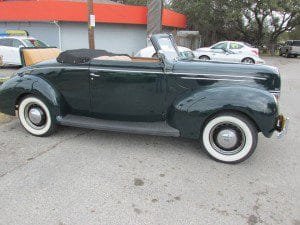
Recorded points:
166,45
34,43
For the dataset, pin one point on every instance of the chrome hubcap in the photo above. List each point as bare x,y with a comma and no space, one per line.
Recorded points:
227,138
248,61
36,115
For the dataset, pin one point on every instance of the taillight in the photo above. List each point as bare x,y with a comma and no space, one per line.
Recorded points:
254,51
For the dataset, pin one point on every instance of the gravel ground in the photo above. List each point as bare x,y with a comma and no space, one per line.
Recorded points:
87,177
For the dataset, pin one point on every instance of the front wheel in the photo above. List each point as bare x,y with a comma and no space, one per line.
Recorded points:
248,61
35,116
229,138
204,58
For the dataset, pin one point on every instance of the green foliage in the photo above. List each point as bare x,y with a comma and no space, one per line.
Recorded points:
256,21
135,2
294,34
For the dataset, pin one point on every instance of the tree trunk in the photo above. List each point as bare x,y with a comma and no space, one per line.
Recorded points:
272,48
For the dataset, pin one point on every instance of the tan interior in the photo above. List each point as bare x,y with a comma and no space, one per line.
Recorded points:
35,55
141,59
127,58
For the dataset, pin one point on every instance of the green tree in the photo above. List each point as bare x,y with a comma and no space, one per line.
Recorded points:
214,19
256,21
264,21
295,34
135,2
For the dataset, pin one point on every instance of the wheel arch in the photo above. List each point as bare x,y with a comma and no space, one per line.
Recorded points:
203,55
190,113
43,90
248,57
231,111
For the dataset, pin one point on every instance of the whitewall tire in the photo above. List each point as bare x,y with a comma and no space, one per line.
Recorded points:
229,138
35,116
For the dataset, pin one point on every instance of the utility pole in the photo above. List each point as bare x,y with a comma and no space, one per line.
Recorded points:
154,18
91,23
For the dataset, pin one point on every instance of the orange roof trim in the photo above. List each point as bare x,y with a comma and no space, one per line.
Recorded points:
77,12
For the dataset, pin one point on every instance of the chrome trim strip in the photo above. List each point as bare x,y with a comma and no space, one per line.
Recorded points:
158,72
127,71
59,67
206,78
222,75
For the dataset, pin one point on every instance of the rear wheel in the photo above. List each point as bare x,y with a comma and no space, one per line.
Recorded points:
229,138
35,116
204,58
248,61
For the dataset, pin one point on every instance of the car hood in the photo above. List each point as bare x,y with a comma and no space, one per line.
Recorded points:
268,76
206,49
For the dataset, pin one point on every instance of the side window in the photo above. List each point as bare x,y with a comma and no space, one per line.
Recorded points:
222,45
4,42
16,43
234,45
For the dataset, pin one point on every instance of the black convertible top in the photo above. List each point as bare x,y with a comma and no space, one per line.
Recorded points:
78,56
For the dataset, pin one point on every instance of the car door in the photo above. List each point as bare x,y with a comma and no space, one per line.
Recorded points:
218,53
5,50
132,91
235,51
236,47
15,51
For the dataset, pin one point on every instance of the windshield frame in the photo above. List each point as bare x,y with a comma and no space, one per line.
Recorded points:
174,54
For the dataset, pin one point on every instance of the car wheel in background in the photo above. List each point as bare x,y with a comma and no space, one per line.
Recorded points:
248,61
35,116
204,58
229,138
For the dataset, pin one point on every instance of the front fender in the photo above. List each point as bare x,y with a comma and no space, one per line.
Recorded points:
189,113
12,90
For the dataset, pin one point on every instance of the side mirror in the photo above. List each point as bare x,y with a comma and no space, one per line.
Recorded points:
21,46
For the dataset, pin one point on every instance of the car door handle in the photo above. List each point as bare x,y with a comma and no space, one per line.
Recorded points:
95,75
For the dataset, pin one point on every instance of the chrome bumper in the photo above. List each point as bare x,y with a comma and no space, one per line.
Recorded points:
282,126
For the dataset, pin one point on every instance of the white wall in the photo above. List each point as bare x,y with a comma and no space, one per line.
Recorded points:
117,38
111,37
46,32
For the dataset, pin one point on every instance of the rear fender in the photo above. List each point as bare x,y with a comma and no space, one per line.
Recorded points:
191,112
12,91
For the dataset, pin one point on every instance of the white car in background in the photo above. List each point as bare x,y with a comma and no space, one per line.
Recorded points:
10,48
230,51
149,52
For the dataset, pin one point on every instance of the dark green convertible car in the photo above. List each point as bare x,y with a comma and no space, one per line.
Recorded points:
223,105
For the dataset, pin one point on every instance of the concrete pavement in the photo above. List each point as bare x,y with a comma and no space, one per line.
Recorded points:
80,176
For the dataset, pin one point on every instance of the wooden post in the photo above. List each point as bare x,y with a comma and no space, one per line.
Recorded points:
91,24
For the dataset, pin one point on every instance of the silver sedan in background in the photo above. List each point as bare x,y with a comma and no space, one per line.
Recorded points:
229,51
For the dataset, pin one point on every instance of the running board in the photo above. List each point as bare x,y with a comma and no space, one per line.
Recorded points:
149,128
